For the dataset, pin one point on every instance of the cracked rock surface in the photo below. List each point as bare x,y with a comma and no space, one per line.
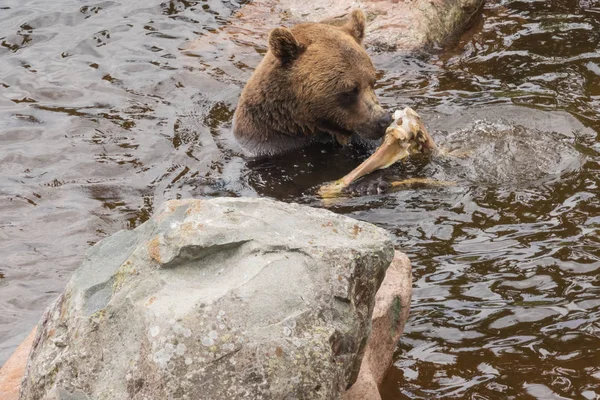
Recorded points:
215,299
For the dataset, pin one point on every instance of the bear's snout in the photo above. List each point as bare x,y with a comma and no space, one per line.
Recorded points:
385,121
375,128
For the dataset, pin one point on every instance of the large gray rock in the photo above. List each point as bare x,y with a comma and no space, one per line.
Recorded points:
215,299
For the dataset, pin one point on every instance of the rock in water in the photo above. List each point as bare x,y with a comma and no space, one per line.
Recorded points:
215,299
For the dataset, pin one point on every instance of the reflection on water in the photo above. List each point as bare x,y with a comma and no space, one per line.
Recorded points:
105,112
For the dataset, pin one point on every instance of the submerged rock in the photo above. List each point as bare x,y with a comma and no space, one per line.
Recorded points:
215,299
405,26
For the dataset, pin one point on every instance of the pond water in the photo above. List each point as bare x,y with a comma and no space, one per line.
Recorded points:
106,110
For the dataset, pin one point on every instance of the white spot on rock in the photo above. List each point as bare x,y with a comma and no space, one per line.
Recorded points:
180,349
228,347
164,355
209,339
182,330
155,330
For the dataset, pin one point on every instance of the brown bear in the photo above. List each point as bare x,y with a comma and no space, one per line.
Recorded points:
315,83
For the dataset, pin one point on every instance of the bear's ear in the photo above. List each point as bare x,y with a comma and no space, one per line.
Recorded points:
284,45
356,25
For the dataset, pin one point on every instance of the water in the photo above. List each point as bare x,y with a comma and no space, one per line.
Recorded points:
108,109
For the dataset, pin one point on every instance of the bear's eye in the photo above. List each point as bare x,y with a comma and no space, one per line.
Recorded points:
350,97
354,91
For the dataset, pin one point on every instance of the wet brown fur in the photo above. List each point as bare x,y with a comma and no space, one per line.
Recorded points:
315,82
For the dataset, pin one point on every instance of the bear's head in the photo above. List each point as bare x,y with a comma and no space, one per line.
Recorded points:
315,78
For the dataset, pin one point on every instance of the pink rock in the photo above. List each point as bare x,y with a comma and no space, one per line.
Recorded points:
12,371
401,25
391,310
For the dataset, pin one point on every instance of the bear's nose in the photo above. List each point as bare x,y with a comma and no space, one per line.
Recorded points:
385,120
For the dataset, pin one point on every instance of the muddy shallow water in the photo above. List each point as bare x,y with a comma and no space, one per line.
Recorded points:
103,115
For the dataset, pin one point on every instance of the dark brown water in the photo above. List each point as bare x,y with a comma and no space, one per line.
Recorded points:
103,115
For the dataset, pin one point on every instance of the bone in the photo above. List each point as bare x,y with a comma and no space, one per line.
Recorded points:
406,135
